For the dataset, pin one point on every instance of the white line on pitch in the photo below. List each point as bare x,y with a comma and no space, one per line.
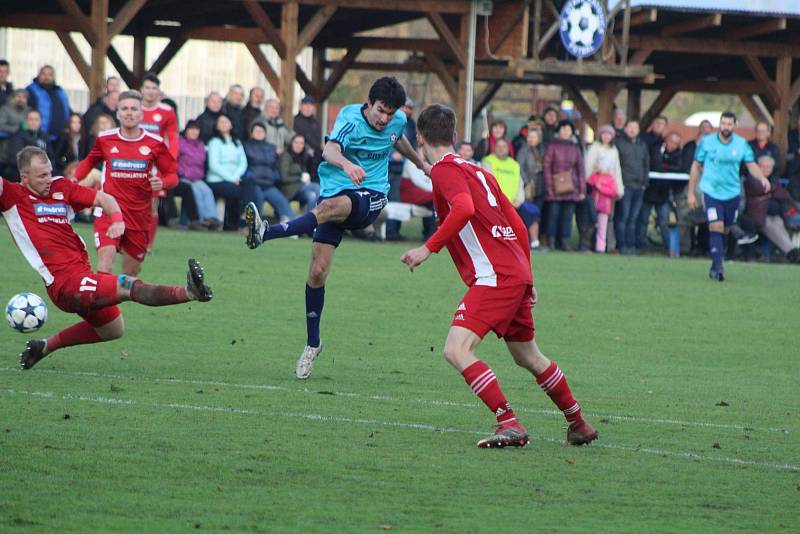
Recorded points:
428,402
395,424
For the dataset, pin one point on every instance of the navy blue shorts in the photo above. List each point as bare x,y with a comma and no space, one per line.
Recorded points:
724,211
367,205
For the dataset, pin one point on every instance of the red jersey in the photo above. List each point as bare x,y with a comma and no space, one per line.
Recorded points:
162,121
127,166
41,226
491,248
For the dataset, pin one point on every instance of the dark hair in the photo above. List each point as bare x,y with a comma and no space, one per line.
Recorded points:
499,123
4,63
32,110
437,125
217,133
565,122
389,91
191,123
171,103
26,155
728,115
69,120
299,158
257,125
550,108
151,77
630,120
662,117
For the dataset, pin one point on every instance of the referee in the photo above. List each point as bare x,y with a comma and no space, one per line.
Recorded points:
716,164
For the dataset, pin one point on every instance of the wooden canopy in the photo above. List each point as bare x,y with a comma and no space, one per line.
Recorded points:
753,55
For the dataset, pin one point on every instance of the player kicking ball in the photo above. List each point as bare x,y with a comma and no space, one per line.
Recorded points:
488,243
38,212
354,176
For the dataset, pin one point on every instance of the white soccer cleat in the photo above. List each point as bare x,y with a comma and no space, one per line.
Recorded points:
256,226
305,363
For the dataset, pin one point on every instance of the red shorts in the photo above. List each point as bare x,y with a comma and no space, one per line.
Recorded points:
93,296
507,311
132,242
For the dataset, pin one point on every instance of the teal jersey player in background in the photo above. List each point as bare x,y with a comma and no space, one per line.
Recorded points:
716,164
354,177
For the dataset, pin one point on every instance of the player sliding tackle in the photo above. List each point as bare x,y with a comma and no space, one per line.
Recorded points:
355,180
488,243
38,213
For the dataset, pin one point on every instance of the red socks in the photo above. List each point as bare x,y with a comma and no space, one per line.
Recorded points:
481,379
153,295
554,383
78,334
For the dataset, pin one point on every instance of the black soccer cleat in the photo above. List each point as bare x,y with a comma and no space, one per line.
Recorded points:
717,276
195,284
33,353
256,226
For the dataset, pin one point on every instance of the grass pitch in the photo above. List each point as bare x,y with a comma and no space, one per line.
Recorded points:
194,420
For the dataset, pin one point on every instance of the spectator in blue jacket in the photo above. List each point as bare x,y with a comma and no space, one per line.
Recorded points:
227,165
262,178
50,100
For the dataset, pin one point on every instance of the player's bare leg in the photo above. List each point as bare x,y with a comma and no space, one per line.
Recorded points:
105,259
552,380
335,210
130,265
127,289
321,260
459,351
153,224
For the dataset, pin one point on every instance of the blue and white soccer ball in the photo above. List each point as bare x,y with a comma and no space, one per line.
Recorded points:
26,312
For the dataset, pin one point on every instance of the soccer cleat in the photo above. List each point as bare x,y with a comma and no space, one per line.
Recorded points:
34,351
507,435
719,276
305,363
581,433
195,284
256,226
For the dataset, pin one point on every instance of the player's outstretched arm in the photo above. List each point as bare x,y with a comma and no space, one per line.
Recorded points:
110,206
755,172
461,209
332,153
404,147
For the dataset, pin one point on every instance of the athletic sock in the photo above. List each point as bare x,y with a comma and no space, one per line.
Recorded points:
81,333
554,383
315,300
716,242
302,225
483,382
153,295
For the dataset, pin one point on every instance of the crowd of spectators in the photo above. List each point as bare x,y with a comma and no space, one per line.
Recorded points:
240,150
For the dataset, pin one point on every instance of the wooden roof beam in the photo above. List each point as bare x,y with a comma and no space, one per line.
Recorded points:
688,45
761,76
423,6
337,74
315,25
390,43
485,97
80,19
125,73
645,16
438,66
444,32
166,55
262,21
583,106
661,102
264,66
699,23
754,109
794,92
75,55
124,17
760,28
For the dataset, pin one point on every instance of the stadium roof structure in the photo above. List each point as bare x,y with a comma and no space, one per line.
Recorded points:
750,48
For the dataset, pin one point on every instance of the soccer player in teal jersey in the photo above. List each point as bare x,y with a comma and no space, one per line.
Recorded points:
716,164
354,176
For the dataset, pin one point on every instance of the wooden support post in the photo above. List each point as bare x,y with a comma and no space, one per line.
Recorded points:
313,26
264,66
139,54
338,72
783,82
289,14
318,78
485,97
661,102
537,27
75,55
605,100
99,21
761,76
583,106
456,47
626,32
753,108
438,66
634,107
167,54
271,35
124,17
461,96
124,72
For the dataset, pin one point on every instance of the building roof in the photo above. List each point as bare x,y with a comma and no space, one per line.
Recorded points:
788,8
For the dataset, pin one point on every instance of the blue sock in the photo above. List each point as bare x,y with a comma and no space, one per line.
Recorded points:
716,243
304,224
315,300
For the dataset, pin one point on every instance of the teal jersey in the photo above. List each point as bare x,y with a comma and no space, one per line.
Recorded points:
721,162
363,145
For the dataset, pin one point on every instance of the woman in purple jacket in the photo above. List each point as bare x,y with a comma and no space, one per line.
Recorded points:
563,159
192,169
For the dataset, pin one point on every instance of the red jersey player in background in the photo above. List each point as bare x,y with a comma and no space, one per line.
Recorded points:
128,154
38,212
488,243
159,119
